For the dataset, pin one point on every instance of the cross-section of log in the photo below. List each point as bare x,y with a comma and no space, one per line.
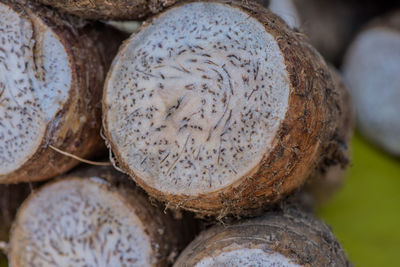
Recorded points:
218,107
371,69
105,9
96,217
289,238
51,75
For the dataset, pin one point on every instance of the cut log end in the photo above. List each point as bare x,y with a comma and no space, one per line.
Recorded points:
52,70
95,216
288,237
80,220
194,102
35,79
220,108
371,70
246,256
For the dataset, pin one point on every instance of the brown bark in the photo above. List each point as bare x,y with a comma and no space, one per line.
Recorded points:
288,231
309,137
168,232
75,128
330,174
117,10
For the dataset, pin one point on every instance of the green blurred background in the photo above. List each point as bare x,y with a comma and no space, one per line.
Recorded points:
365,214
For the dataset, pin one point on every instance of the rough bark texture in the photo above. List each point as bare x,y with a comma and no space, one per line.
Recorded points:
76,126
169,232
330,174
308,137
288,231
117,10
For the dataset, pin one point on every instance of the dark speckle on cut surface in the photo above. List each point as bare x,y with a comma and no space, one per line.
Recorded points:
201,110
82,223
31,88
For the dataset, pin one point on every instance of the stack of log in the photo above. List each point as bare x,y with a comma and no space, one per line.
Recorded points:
214,119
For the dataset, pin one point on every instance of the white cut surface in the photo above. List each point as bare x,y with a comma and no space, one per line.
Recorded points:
80,222
34,83
247,257
287,11
195,99
372,72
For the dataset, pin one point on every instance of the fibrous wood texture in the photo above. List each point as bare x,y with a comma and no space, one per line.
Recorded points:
52,69
219,108
95,216
287,237
116,9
